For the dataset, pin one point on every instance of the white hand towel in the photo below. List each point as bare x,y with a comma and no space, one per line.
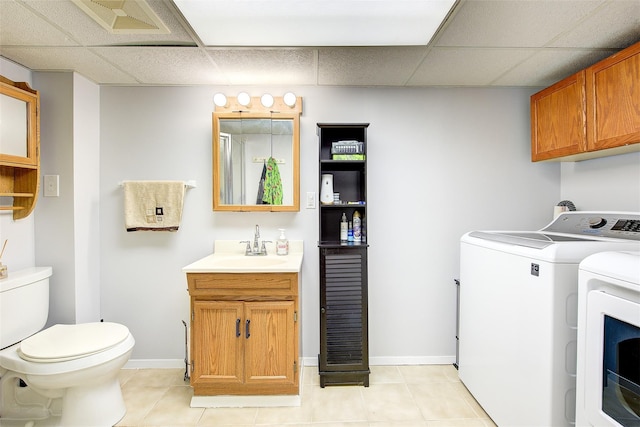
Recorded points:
153,205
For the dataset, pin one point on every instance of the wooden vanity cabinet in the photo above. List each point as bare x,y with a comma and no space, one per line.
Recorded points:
244,333
593,113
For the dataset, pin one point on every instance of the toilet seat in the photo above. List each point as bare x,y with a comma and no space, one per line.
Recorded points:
61,343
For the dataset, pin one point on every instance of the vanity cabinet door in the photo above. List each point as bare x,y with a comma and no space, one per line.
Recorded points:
270,347
217,342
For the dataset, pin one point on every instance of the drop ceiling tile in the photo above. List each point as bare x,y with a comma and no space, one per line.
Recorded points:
547,67
363,66
615,25
80,26
466,67
19,26
513,23
292,66
78,59
164,65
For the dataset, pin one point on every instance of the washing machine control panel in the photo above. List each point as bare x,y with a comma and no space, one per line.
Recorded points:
600,224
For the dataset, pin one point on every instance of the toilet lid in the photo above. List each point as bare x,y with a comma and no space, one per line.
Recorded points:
68,342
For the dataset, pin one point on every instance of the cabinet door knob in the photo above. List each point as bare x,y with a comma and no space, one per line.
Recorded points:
237,327
247,328
322,310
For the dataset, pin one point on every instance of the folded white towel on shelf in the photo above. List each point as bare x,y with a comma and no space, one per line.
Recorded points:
153,205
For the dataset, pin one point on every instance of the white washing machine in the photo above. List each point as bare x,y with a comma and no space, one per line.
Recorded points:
608,368
519,312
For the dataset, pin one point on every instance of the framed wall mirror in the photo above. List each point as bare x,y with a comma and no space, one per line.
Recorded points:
18,123
256,156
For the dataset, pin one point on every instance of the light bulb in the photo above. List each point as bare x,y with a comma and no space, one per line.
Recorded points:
220,99
289,99
267,100
244,99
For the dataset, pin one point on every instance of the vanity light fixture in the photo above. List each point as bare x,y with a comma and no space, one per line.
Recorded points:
267,100
220,99
289,99
244,99
265,103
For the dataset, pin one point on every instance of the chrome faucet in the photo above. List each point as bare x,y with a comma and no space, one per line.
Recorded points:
256,236
256,249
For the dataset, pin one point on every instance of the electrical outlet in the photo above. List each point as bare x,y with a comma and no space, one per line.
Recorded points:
311,200
51,185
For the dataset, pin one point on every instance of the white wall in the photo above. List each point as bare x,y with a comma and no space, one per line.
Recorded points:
67,227
611,183
441,162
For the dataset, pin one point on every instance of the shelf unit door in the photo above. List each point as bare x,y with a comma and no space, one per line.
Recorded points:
344,348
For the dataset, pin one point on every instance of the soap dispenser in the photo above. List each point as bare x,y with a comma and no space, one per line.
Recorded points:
282,245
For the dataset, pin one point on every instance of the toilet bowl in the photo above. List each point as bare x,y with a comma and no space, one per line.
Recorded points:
65,372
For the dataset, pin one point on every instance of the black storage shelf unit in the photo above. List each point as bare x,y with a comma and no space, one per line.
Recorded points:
344,342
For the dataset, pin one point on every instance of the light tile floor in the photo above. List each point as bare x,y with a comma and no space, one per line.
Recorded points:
398,396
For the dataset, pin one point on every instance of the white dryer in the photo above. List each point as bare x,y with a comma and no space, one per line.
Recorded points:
608,368
518,313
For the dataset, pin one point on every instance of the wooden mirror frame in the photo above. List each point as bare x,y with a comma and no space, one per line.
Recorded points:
255,110
20,175
22,92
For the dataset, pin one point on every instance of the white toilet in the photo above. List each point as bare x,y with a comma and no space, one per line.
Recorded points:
68,372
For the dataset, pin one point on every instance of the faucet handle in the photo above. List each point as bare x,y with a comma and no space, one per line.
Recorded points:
264,248
248,248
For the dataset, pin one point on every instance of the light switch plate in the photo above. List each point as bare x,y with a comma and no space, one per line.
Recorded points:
51,185
311,200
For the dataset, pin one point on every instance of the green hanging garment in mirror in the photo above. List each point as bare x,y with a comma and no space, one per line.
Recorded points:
272,184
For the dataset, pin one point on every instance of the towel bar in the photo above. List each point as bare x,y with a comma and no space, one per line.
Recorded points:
188,184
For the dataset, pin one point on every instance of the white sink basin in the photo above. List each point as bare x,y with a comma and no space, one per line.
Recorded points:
229,258
248,262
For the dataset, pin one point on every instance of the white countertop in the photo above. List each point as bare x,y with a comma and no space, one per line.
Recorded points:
229,257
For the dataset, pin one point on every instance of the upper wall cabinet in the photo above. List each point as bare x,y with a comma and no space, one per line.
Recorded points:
19,147
256,156
594,113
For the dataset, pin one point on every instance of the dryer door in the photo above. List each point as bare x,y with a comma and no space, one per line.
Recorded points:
612,374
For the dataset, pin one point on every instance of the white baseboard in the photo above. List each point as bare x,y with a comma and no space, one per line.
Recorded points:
397,360
307,361
154,364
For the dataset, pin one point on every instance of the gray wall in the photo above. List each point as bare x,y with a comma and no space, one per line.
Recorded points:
441,162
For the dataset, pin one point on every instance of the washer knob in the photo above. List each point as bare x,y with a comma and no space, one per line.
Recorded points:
597,222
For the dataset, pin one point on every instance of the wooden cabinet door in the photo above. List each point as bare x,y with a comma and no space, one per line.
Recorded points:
558,122
270,343
613,100
217,334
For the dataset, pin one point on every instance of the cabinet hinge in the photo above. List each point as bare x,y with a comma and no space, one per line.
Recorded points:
295,367
192,365
193,315
295,316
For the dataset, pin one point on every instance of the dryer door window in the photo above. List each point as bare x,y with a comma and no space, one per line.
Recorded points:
613,361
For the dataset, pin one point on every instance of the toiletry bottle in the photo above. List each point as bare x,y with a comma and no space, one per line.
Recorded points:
357,227
344,228
350,233
282,245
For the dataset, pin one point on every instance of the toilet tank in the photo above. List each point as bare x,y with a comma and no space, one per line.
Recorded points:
24,304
